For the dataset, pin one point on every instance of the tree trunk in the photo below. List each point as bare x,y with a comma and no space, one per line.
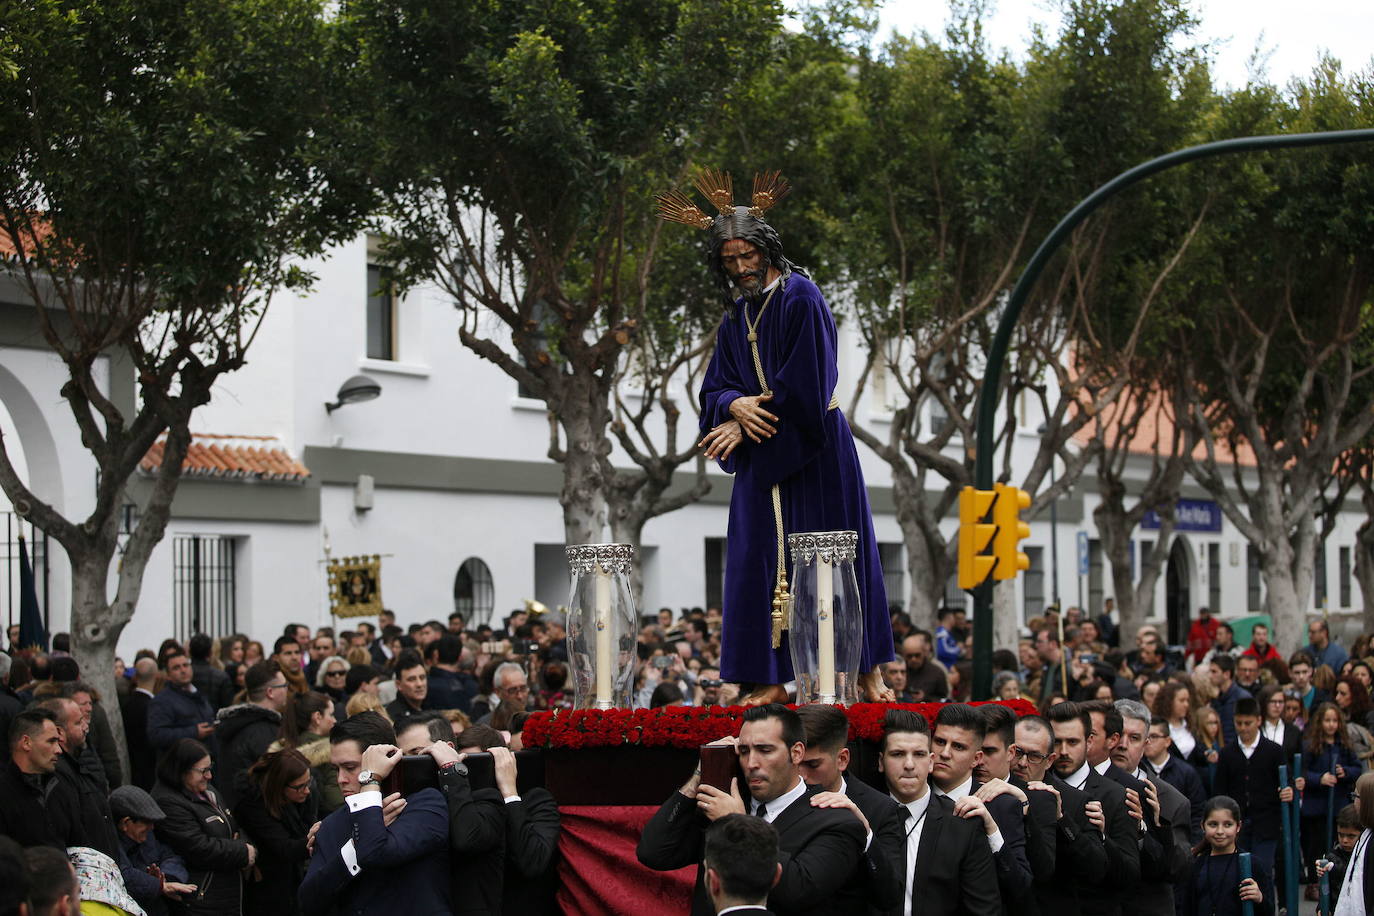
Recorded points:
1281,598
1364,566
926,559
1006,620
95,638
584,484
627,527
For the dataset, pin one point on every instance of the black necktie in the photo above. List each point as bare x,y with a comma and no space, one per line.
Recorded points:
762,811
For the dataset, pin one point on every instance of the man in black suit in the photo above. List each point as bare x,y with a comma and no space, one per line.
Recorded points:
1098,895
1080,856
1155,837
1248,771
741,864
947,863
142,757
1170,768
1039,807
819,848
957,747
826,764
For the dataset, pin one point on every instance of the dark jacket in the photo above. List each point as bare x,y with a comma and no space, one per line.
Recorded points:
10,706
174,713
1122,845
532,829
1316,795
144,887
954,875
477,841
142,758
400,709
1213,887
93,807
450,690
244,733
1013,869
205,835
1080,854
213,684
1185,779
1225,705
1254,784
39,810
100,740
819,849
1158,864
878,865
282,856
399,869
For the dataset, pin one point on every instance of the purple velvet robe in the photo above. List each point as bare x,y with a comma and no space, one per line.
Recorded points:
813,460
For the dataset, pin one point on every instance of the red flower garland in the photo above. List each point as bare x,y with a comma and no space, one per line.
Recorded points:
690,727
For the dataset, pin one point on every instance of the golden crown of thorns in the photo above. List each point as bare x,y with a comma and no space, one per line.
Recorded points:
716,186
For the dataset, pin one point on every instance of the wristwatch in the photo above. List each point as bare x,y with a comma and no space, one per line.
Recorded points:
456,766
367,776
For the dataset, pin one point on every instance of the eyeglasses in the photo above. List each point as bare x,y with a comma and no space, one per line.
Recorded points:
335,673
281,686
300,786
1034,757
204,771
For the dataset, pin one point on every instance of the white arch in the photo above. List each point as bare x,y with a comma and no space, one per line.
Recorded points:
35,438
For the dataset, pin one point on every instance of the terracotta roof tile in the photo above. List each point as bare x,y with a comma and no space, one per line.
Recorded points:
232,458
1156,430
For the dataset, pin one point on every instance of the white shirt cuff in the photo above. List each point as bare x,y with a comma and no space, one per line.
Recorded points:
350,858
868,840
363,800
511,798
995,841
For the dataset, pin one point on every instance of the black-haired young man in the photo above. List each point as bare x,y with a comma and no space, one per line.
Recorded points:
1248,771
376,855
741,864
1098,894
819,847
826,764
39,808
956,744
946,865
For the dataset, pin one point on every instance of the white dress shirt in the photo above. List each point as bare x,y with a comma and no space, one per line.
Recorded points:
778,805
1273,732
915,823
1078,777
1183,739
1248,750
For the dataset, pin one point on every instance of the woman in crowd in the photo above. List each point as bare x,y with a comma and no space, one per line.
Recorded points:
1273,727
332,680
201,830
1174,704
305,727
231,650
1352,698
277,809
1330,767
1210,742
1215,887
253,653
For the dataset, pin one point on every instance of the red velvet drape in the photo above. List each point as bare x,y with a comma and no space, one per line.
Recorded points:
598,873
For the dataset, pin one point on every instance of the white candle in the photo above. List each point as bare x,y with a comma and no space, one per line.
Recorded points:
603,638
825,631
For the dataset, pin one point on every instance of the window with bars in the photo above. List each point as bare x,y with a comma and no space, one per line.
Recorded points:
1214,578
1254,592
204,585
1343,557
1096,588
1319,592
474,593
892,559
381,313
1033,584
955,597
715,572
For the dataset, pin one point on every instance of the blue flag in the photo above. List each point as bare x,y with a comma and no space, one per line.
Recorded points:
32,632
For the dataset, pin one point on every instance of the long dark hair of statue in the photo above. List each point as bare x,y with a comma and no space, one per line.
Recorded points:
744,225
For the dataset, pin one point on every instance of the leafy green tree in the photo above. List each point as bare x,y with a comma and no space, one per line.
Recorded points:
520,148
1281,343
162,165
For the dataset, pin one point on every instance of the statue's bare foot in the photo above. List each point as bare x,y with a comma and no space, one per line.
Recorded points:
761,694
874,689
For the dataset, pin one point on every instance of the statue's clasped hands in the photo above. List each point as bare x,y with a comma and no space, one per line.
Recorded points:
750,419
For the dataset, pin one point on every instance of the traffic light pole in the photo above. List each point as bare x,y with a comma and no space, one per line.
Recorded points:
990,395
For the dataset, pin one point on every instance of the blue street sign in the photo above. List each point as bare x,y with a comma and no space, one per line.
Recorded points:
1082,553
1190,515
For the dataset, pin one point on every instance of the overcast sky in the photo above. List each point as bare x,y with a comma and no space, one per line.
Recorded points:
1293,33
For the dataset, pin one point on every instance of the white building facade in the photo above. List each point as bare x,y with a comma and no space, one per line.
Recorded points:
444,476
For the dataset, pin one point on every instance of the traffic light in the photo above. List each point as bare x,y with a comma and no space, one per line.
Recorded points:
1006,544
974,535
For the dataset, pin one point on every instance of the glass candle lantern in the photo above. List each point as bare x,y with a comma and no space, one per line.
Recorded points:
826,628
602,626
